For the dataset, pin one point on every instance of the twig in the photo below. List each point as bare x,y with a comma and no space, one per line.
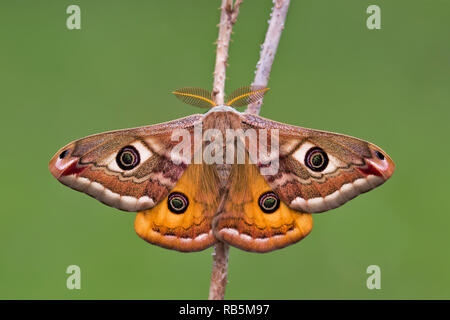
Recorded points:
228,16
269,49
219,272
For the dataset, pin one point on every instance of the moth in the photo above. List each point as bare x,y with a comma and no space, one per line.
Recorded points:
187,202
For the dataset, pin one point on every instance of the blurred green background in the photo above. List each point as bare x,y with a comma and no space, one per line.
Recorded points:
388,86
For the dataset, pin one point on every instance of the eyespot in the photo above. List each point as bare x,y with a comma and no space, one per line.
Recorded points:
63,154
316,159
379,155
128,158
177,202
269,202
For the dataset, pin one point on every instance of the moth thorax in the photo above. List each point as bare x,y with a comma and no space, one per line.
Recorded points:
223,171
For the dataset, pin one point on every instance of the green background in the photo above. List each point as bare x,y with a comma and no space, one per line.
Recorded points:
388,86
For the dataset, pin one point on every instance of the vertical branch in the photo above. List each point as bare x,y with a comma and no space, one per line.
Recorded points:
228,16
219,274
269,49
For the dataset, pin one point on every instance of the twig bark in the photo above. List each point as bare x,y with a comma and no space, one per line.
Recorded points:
269,49
228,17
219,274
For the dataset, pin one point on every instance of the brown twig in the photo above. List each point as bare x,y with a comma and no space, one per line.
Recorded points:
228,17
229,13
220,265
269,49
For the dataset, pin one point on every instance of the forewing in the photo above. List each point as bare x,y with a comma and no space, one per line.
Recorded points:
91,165
353,166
